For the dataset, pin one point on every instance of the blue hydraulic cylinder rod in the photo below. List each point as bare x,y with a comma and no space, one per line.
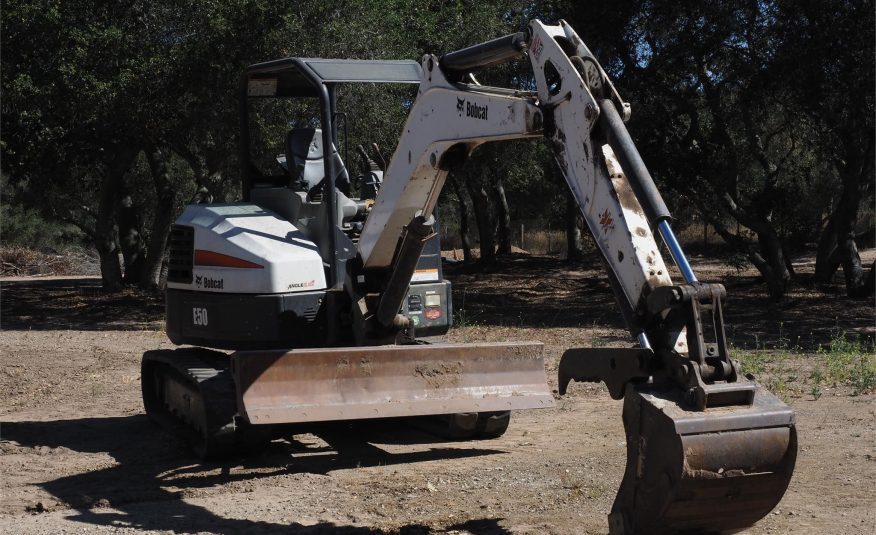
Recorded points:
676,252
643,340
678,257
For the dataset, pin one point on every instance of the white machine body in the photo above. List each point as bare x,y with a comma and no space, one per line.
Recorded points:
246,249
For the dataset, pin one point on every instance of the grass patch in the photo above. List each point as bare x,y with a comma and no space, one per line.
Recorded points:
817,377
848,361
752,362
787,370
463,317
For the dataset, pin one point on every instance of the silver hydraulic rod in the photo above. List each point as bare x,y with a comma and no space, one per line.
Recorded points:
643,340
680,260
676,252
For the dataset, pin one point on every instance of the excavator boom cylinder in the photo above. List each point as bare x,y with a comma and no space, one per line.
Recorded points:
494,52
637,173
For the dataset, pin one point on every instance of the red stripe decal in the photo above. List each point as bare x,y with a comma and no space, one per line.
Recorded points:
214,259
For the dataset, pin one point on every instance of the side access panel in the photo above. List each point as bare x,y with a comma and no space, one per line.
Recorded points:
231,321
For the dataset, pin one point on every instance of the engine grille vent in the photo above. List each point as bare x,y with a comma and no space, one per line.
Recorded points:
310,313
181,254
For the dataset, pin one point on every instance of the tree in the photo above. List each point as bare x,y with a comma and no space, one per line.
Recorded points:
115,113
719,122
834,87
88,87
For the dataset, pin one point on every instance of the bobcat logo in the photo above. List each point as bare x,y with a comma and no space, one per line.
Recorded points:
198,281
460,105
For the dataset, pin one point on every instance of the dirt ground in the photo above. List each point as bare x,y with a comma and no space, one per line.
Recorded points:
77,455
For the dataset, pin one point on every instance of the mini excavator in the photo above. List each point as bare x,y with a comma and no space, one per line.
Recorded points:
324,296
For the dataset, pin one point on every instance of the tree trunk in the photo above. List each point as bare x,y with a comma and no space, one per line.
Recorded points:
463,222
162,220
206,170
503,218
837,244
826,257
130,237
772,263
573,231
767,256
105,239
481,204
162,278
837,247
105,234
856,281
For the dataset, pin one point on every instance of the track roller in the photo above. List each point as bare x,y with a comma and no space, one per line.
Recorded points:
466,425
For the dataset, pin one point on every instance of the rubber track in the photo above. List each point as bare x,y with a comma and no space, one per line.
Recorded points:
206,372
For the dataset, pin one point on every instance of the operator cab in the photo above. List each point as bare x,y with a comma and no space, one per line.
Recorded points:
292,105
303,94
305,165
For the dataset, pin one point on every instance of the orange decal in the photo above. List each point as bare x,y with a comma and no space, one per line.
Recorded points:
214,259
606,221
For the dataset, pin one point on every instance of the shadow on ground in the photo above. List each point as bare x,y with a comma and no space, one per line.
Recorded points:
154,467
518,291
77,304
533,291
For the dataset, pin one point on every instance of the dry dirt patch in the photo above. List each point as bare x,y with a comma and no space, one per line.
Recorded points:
77,454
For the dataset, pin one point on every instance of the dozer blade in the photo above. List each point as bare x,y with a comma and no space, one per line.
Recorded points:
717,470
310,385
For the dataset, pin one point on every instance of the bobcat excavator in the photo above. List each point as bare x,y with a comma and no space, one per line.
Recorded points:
324,296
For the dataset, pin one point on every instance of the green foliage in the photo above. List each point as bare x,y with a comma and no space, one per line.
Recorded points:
26,227
732,122
849,362
752,362
464,317
22,225
817,378
787,370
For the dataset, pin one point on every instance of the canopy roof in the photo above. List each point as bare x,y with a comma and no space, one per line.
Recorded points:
292,77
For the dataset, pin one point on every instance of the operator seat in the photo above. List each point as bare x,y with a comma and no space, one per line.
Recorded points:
305,162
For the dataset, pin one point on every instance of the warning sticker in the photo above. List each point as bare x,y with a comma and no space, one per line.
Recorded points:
606,221
262,87
425,275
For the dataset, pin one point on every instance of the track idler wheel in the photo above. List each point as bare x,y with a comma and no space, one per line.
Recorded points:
717,470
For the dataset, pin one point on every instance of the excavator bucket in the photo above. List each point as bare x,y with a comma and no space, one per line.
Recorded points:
312,385
715,470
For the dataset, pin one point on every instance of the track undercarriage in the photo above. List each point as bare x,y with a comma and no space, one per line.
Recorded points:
193,392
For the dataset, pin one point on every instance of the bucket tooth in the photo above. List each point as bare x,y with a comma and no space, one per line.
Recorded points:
311,385
717,470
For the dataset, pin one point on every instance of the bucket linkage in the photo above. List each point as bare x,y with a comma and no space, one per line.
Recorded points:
707,448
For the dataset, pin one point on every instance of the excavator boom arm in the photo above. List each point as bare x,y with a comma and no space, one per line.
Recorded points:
449,119
707,448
